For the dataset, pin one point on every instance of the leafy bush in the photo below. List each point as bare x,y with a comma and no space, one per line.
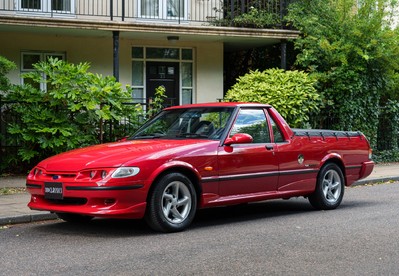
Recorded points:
385,156
70,114
256,18
292,93
5,67
156,104
249,14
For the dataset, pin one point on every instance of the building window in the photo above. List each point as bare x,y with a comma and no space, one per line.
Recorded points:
47,6
30,58
61,5
31,4
163,9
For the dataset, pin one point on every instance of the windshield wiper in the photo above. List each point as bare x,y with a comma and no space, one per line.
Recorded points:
149,136
191,135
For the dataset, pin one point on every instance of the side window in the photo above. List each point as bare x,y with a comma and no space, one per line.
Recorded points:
278,135
254,123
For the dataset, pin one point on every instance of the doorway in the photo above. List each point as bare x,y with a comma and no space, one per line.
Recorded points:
164,74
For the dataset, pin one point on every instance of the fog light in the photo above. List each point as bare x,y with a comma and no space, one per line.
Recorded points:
103,174
92,174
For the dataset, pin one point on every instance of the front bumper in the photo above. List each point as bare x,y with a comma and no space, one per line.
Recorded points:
119,200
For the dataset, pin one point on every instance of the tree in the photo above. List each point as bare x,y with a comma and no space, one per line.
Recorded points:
350,48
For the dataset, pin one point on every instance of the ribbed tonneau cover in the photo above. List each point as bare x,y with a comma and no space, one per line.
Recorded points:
325,133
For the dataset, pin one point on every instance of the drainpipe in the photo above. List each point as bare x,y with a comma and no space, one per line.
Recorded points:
123,10
111,9
283,47
115,36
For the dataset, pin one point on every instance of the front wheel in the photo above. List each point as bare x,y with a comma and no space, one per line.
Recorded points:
171,204
330,188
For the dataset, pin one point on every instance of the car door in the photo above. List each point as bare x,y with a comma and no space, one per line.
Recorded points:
248,168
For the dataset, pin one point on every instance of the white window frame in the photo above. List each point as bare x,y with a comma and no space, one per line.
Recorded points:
43,57
45,8
179,60
163,12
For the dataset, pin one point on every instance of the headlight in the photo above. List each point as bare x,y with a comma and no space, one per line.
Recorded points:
125,172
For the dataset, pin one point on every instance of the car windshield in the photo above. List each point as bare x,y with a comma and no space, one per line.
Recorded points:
205,123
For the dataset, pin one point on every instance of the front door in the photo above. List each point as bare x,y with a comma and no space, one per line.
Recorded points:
164,74
249,168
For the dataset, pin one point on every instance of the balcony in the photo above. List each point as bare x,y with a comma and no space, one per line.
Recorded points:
196,12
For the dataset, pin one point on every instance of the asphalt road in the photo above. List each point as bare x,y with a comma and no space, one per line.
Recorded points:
269,238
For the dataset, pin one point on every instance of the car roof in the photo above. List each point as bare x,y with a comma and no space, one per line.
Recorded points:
220,104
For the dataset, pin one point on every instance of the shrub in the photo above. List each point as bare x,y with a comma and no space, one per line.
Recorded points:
5,67
70,114
292,93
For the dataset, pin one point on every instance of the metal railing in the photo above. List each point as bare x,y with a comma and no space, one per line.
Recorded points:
177,11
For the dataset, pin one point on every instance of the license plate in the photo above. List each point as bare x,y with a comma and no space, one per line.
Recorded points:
53,190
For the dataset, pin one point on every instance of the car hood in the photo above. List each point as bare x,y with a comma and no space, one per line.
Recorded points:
119,153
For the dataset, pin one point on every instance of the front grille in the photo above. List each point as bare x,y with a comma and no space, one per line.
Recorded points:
69,201
56,176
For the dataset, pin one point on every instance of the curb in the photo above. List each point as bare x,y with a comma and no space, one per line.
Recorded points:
27,218
375,180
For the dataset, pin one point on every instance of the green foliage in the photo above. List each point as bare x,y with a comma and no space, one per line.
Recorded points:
254,14
156,105
386,156
70,114
351,49
292,93
256,18
388,130
5,67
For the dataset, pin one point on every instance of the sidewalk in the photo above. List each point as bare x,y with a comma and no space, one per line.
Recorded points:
13,208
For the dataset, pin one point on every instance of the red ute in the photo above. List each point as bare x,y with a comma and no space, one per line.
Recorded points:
197,156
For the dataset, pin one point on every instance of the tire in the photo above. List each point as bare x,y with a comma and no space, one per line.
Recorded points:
74,218
330,188
172,204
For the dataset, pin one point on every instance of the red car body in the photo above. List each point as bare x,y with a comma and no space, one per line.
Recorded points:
229,169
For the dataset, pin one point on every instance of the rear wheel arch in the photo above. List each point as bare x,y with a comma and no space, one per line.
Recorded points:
337,161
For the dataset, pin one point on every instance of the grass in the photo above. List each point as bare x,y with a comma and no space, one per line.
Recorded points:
11,191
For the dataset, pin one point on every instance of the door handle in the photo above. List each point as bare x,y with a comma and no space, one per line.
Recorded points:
269,147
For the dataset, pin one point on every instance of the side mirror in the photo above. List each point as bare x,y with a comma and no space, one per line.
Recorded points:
239,138
123,139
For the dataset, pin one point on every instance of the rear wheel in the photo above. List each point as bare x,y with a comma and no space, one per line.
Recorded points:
74,218
172,204
330,188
